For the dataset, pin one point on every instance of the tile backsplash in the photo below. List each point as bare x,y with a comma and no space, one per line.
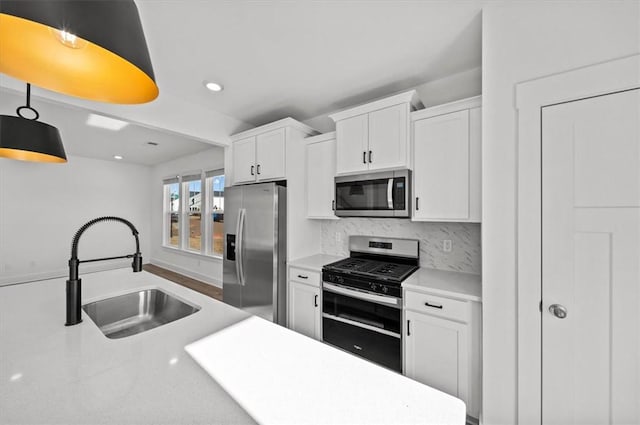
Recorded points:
465,255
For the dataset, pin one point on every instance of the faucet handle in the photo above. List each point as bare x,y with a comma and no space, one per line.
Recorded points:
137,262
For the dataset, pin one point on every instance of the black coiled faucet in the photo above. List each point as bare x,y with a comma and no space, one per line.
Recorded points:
74,304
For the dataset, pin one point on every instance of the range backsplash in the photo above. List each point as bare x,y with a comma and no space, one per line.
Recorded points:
465,255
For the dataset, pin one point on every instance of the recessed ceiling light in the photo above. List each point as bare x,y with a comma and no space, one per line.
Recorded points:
117,157
213,86
106,122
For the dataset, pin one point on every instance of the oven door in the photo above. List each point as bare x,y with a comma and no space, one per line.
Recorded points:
363,323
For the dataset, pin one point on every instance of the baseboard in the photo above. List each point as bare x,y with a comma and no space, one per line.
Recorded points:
189,273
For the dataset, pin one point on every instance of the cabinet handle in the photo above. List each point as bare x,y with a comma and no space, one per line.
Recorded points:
370,156
417,199
252,171
408,327
301,276
364,157
258,169
433,305
315,301
333,205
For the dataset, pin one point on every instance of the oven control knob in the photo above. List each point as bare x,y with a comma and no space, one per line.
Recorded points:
373,286
385,289
340,279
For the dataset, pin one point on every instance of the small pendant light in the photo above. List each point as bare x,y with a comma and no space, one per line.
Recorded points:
91,49
27,139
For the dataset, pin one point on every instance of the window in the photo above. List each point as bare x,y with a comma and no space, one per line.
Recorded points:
187,199
215,189
172,212
192,190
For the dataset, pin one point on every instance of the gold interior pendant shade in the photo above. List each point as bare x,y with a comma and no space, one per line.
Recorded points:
27,139
92,49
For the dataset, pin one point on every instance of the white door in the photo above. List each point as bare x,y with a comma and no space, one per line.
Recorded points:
270,155
441,169
388,137
244,153
304,309
321,168
436,353
591,261
352,136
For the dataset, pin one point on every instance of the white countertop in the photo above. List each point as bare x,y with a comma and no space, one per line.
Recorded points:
315,262
463,286
50,373
54,374
282,377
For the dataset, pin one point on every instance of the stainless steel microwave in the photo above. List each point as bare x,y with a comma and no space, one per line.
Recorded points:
383,194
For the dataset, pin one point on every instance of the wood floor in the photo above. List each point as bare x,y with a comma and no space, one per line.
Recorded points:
196,285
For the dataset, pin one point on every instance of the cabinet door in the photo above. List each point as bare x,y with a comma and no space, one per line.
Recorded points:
270,155
437,353
441,169
321,169
388,141
352,135
304,309
244,152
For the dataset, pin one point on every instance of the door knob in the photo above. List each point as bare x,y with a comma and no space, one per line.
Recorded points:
558,310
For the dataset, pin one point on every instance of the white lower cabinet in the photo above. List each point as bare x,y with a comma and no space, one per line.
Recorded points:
304,308
442,345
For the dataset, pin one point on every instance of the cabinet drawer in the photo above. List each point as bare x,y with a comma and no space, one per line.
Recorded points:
304,276
437,306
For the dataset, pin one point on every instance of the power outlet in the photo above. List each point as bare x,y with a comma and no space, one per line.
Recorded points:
338,238
447,245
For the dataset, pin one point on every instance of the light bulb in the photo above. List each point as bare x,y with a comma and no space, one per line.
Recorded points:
69,39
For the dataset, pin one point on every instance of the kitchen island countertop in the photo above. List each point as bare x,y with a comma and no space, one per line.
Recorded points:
50,373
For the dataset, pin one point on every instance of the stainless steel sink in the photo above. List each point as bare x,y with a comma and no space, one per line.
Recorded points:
130,314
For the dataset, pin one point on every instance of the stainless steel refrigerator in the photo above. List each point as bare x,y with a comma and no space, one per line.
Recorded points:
254,275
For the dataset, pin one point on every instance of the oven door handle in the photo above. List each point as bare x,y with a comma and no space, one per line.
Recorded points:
380,299
361,325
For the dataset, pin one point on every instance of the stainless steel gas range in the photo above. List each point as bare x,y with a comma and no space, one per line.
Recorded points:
362,298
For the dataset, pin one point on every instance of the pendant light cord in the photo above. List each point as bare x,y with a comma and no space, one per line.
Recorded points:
28,106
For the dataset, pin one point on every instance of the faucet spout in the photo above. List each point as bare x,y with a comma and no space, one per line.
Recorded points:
74,287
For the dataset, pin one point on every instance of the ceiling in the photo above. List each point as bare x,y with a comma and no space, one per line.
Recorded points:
276,59
79,139
305,58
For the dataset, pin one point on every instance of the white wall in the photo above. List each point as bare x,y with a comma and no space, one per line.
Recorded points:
204,268
43,205
523,41
454,87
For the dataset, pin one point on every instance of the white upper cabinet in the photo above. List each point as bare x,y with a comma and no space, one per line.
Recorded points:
374,136
260,157
446,170
260,154
321,168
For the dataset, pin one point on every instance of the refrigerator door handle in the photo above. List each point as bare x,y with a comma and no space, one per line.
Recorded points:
240,246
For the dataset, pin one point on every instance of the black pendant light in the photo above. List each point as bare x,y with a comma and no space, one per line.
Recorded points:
27,139
92,49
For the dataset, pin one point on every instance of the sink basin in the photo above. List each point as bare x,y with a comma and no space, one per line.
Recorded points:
130,314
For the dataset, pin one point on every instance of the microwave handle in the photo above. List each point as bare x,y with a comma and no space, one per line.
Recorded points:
390,193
